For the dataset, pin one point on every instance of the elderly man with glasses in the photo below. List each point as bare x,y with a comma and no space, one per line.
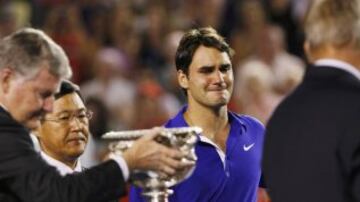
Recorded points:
64,133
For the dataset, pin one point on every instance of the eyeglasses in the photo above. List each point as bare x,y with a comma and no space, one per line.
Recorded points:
66,117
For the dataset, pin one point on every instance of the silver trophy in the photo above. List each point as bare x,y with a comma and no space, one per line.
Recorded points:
156,188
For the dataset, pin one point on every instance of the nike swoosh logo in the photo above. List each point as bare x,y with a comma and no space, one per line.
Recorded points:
248,147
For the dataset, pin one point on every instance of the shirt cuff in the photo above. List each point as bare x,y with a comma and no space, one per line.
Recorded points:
122,164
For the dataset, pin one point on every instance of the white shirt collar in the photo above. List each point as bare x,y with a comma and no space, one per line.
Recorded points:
338,64
60,166
3,106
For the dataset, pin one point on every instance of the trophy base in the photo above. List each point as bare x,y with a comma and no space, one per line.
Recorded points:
157,195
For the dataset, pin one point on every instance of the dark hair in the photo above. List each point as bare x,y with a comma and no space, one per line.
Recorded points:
67,87
194,38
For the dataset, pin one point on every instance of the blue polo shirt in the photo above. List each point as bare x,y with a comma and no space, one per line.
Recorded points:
233,176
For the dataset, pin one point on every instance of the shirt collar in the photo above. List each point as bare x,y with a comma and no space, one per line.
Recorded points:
3,106
60,166
179,121
334,63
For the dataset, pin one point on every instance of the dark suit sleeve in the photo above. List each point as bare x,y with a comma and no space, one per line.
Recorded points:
46,184
349,157
262,182
26,177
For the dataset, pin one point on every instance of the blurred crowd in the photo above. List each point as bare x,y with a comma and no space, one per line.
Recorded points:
122,51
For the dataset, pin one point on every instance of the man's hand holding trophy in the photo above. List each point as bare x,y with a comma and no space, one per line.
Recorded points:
175,143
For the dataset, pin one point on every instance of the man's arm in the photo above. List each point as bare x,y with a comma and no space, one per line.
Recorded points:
349,157
30,179
45,184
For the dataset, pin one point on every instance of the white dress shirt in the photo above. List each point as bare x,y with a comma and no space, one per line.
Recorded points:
60,166
339,64
64,169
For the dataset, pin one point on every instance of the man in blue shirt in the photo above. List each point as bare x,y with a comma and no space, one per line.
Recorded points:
229,149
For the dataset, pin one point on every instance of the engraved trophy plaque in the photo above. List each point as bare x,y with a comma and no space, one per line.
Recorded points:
156,188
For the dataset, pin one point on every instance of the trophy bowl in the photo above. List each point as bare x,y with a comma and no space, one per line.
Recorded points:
155,187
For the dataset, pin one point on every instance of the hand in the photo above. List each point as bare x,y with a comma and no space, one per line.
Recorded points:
147,154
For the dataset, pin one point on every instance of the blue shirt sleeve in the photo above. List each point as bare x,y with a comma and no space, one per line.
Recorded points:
135,194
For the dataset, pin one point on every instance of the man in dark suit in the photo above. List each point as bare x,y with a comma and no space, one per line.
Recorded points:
31,68
312,144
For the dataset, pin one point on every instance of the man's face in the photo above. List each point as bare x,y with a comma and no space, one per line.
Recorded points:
210,78
63,133
27,99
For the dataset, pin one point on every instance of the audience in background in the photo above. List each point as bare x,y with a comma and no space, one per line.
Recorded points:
110,43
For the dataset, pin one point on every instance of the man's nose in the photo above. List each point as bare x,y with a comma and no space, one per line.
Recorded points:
219,76
75,122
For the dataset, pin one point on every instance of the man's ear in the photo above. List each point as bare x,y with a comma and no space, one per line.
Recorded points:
6,74
182,79
307,51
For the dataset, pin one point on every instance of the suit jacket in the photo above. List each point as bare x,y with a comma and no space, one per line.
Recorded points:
312,144
24,176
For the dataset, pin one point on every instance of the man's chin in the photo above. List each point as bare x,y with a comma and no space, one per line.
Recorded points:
32,124
221,101
75,154
218,104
